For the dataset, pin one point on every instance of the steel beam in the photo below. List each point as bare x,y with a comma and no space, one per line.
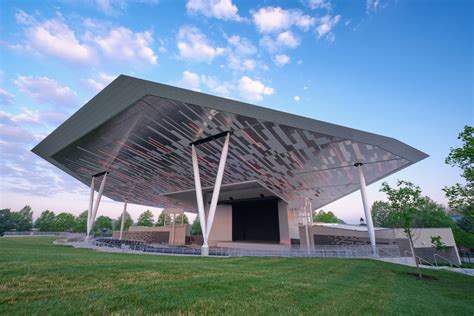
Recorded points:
207,226
368,215
122,224
200,203
96,205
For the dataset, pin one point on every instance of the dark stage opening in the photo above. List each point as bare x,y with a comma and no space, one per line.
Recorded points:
256,221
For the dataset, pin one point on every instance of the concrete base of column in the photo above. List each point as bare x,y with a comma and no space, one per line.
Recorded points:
205,251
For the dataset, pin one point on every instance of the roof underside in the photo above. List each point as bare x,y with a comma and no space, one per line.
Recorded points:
142,137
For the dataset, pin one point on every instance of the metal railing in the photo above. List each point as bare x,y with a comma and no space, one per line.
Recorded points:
35,233
444,258
420,259
389,251
466,257
452,265
318,252
424,260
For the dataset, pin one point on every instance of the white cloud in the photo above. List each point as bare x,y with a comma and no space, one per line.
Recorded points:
242,45
281,60
24,18
193,45
283,40
6,97
45,90
239,63
214,85
117,7
239,54
274,19
190,80
318,4
326,24
194,81
296,98
22,171
124,45
372,5
52,118
300,62
220,9
253,90
287,39
304,22
15,134
100,81
55,38
25,116
249,64
32,117
113,8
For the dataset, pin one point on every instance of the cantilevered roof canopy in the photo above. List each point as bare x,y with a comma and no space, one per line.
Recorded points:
140,131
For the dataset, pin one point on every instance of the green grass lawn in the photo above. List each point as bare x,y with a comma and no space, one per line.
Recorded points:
37,277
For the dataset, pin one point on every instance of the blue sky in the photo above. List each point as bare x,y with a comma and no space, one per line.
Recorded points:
403,69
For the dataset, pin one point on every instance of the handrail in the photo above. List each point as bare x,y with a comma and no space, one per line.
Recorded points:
411,255
415,257
436,261
451,264
421,259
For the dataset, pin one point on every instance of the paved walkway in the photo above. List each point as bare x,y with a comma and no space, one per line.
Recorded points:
409,261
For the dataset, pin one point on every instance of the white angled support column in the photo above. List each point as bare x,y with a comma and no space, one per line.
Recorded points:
207,226
368,215
122,224
96,205
91,206
307,208
200,203
217,186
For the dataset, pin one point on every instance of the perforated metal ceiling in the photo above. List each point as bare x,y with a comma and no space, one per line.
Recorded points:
146,148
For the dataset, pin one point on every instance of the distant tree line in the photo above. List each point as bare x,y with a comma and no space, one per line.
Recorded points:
48,221
147,219
21,220
326,217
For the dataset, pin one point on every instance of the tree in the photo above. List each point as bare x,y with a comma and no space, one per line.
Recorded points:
81,223
196,227
429,214
127,223
181,219
466,223
145,219
438,243
23,219
162,219
463,238
63,222
45,221
5,221
326,217
432,215
405,201
382,214
462,196
102,223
